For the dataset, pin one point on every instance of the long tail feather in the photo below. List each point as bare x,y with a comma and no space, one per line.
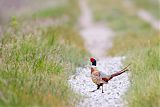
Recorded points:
119,72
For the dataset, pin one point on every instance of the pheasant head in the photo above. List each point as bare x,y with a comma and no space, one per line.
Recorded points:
93,61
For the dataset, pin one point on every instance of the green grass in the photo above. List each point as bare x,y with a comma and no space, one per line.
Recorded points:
132,41
131,32
51,12
34,69
153,6
145,77
35,66
139,42
68,10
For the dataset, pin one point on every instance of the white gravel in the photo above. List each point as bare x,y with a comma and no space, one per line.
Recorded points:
98,39
113,91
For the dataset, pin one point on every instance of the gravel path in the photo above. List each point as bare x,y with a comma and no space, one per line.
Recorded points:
98,39
113,91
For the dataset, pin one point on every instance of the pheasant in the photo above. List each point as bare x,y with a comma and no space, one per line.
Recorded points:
100,78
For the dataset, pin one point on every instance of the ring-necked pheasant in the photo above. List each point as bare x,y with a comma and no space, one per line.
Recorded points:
100,78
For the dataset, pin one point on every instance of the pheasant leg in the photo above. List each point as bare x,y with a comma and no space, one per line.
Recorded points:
102,89
98,86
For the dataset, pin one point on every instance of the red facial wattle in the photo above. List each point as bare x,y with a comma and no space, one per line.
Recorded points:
92,59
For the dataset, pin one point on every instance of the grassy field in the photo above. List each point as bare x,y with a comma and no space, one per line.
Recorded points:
67,10
153,6
144,91
138,41
34,66
24,8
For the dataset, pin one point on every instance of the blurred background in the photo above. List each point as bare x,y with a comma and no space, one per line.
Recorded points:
40,47
10,8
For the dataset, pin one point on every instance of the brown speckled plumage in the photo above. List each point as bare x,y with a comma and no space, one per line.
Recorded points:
99,78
